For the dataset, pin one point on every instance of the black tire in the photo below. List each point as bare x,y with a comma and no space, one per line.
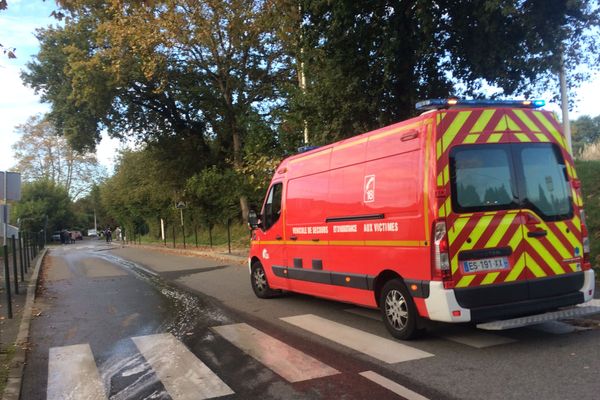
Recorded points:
260,285
398,310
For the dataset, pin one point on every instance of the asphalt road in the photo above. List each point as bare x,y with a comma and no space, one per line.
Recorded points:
128,323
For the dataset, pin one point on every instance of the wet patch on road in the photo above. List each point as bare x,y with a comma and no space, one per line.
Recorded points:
173,275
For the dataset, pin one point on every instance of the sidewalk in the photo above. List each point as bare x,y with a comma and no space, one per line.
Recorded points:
237,255
15,331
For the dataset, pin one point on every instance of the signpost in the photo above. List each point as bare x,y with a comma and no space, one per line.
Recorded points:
181,205
10,189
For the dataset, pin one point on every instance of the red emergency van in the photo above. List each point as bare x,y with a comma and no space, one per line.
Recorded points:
471,211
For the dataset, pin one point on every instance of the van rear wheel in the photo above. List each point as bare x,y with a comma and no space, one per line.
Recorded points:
260,285
398,310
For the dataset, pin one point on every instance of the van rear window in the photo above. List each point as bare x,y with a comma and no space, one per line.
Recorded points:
510,176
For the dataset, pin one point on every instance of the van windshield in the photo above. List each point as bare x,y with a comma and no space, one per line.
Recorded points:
510,176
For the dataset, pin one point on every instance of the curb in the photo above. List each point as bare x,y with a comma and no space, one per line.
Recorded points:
12,390
192,253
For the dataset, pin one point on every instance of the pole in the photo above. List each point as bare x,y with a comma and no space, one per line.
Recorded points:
229,235
21,253
5,209
174,245
7,283
196,234
182,226
564,102
15,266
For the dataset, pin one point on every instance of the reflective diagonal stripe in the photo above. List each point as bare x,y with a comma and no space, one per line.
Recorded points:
454,128
503,226
570,236
542,138
548,125
469,139
526,120
457,228
534,267
494,138
490,278
482,121
522,137
517,269
477,231
539,248
465,281
182,374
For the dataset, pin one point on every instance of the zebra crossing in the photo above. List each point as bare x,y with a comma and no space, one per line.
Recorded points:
73,373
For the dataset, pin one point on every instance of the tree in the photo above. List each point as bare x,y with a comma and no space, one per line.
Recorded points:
368,63
44,204
586,133
42,154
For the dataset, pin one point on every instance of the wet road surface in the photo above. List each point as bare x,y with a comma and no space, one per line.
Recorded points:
106,328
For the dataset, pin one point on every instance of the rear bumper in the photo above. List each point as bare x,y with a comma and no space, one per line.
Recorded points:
486,303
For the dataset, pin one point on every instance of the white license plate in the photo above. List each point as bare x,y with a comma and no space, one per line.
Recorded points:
486,264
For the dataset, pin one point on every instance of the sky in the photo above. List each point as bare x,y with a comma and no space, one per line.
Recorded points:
18,102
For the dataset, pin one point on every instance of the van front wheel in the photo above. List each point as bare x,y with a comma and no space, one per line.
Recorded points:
260,285
398,310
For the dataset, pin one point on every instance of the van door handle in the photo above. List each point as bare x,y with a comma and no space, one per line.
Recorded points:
315,239
278,237
294,237
537,233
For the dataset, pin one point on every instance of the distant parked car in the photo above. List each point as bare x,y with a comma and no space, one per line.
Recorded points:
56,236
92,233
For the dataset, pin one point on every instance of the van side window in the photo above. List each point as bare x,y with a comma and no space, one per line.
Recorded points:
272,209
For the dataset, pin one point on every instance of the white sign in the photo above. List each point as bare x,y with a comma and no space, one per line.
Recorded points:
369,189
12,184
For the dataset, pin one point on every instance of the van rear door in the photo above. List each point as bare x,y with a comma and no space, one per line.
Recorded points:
512,221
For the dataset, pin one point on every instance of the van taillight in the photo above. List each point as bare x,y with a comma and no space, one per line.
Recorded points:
587,264
441,260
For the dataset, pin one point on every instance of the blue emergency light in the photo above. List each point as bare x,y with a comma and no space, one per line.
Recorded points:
434,104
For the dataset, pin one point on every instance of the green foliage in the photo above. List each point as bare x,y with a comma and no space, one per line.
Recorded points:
588,172
586,132
43,200
214,195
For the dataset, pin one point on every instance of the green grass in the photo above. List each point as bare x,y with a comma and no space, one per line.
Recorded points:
589,173
6,356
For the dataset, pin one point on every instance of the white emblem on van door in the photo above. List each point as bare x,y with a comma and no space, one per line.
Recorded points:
369,189
265,254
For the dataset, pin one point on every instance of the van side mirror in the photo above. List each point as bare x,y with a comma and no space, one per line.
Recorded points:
253,219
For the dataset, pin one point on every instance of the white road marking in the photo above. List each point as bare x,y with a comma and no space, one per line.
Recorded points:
365,312
386,350
392,386
73,375
293,365
477,339
183,375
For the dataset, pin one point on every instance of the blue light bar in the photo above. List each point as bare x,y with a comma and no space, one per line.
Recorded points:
434,104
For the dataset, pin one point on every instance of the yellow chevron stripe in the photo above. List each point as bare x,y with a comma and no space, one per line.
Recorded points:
465,281
517,269
476,233
454,128
500,231
522,137
490,278
512,125
482,121
442,212
440,179
574,267
556,243
542,138
446,174
494,138
438,149
456,228
546,256
557,136
470,139
577,222
516,239
526,120
569,236
537,271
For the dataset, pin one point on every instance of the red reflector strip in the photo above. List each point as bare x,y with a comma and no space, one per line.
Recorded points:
456,313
